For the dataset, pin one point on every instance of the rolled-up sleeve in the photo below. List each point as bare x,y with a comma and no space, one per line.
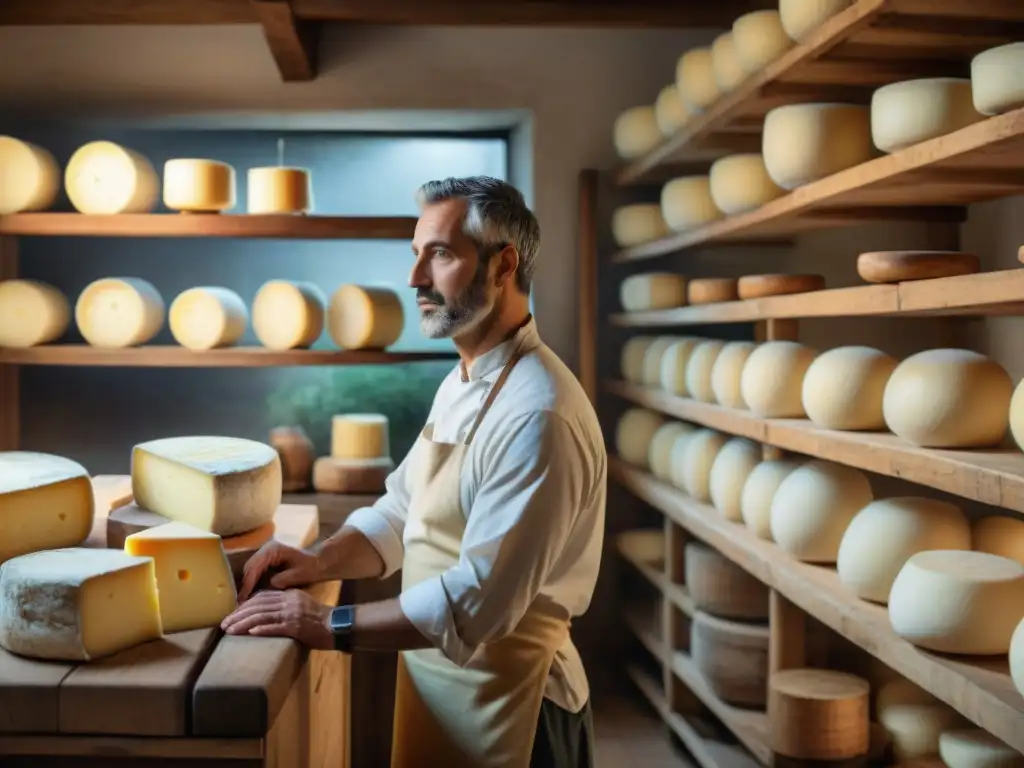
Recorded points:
383,523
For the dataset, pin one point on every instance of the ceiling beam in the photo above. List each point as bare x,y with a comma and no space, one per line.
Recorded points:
114,12
293,42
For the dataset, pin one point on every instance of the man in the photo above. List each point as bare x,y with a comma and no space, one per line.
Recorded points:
495,517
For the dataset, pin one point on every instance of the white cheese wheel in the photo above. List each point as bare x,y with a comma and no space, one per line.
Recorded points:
996,84
732,659
699,368
725,376
720,587
884,535
653,357
32,313
802,143
686,203
669,111
360,436
197,184
361,317
635,132
694,470
813,507
801,17
725,64
659,455
29,177
208,318
1016,416
843,388
759,39
676,456
119,312
637,224
758,492
695,79
104,178
772,380
998,535
960,602
730,470
631,358
1016,658
948,398
652,290
976,748
634,432
288,314
914,719
740,183
674,364
279,190
911,111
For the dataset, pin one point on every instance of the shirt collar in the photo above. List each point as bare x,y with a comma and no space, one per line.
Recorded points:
495,358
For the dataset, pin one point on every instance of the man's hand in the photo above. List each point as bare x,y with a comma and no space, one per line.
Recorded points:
291,614
297,568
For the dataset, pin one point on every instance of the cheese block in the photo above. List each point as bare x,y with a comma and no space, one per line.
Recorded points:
730,470
288,314
698,370
719,587
914,720
360,317
674,362
819,714
115,312
975,601
757,286
976,748
998,535
912,111
634,432
996,85
195,586
360,436
208,317
695,79
803,143
813,507
637,224
659,454
29,177
631,358
759,39
948,398
708,290
686,203
279,190
1016,415
652,290
725,64
198,185
669,111
771,383
635,132
802,17
693,472
297,454
224,485
46,502
334,475
897,266
32,313
727,373
759,490
843,388
105,178
740,183
732,658
887,532
77,604
654,357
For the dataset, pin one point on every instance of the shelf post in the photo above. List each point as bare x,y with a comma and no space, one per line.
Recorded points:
587,278
10,398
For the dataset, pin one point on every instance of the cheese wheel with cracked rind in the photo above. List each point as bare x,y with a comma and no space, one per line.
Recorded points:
669,111
115,312
843,388
288,315
801,17
360,436
730,470
279,190
29,177
695,79
897,266
208,317
634,432
759,39
105,178
759,286
728,372
771,383
631,358
819,714
361,317
710,290
699,368
740,183
635,132
674,364
686,203
659,455
996,84
976,748
803,143
999,535
725,64
32,313
732,658
694,470
637,224
652,290
759,490
654,357
912,111
719,587
198,185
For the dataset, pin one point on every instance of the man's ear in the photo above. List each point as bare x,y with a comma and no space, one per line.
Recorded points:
508,263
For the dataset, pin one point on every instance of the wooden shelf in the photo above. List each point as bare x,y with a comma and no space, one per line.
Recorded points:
993,477
982,691
210,225
675,593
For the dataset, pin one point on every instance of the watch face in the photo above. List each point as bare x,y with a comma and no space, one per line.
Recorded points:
341,618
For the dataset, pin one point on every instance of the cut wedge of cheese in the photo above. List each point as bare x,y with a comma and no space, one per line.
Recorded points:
29,177
105,178
279,190
32,313
360,317
360,436
208,318
198,185
119,312
288,314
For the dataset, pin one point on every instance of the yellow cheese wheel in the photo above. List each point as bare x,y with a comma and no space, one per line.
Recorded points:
635,132
759,490
699,368
801,17
119,312
759,39
29,177
771,383
360,317
694,471
634,432
669,111
207,318
695,79
105,178
725,64
911,111
740,183
999,535
32,313
674,363
843,388
631,358
288,314
360,436
637,224
277,189
659,454
996,84
730,470
686,203
199,185
652,290
727,372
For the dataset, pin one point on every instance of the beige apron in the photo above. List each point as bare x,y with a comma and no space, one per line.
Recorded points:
483,714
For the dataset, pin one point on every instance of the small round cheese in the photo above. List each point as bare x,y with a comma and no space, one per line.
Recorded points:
759,39
104,178
32,313
711,290
635,132
119,312
637,224
361,317
208,318
652,290
699,368
659,454
960,602
911,111
801,17
695,79
740,183
201,185
996,84
29,177
772,380
999,535
288,315
279,190
674,364
728,370
914,719
1016,417
360,436
686,203
843,388
631,358
725,64
694,471
669,111
813,507
653,357
634,432
730,470
759,490
976,748
948,398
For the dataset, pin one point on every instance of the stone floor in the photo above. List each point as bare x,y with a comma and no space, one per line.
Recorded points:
629,734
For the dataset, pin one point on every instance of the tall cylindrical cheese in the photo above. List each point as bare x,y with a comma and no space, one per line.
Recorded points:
634,432
843,388
772,380
675,362
996,84
104,178
740,183
29,177
694,471
288,314
279,190
199,185
730,470
998,535
654,356
914,719
669,111
976,748
819,715
686,203
637,224
801,17
631,358
911,111
659,454
725,64
635,132
652,290
727,372
360,436
207,318
759,490
32,313
759,39
699,368
119,312
360,317
695,79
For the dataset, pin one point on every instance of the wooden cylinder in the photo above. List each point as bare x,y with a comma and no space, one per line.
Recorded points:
896,266
732,657
818,714
756,286
297,454
720,587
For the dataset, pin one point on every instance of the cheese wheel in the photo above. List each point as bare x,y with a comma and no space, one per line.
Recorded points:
119,312
819,715
728,371
1016,415
659,455
771,383
801,17
911,111
635,132
104,178
759,39
334,475
813,507
637,224
884,534
725,64
31,313
360,436
914,719
730,470
759,490
669,111
719,587
758,286
654,355
732,658
948,398
802,143
674,364
631,358
843,388
695,79
974,601
201,185
288,314
699,368
996,85
361,317
740,183
686,203
709,290
29,177
207,318
279,190
634,432
694,470
676,457
998,535
1016,657
297,454
652,290
897,266
976,748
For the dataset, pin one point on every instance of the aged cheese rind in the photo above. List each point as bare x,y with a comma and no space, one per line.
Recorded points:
914,719
693,472
208,317
720,587
198,184
104,178
654,360
32,313
669,111
279,190
361,317
29,177
725,64
288,314
117,312
674,362
631,359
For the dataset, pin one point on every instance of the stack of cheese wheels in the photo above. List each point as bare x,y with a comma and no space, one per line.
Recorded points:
634,432
276,189
771,383
686,203
695,79
631,358
361,317
105,178
693,471
971,747
29,177
729,472
914,719
908,112
725,64
802,143
699,369
297,455
669,111
32,313
635,132
732,657
759,490
288,314
659,454
843,388
759,39
727,373
998,535
208,318
360,458
720,587
652,290
995,85
674,363
195,185
119,312
637,224
654,360
800,18
819,716
740,183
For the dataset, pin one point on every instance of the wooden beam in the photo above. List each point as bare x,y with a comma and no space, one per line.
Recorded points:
293,42
115,12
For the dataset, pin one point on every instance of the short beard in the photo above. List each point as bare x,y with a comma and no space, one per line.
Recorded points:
462,313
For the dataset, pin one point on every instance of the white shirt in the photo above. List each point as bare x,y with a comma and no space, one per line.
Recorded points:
533,489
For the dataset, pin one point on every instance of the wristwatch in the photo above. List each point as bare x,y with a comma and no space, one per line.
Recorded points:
341,622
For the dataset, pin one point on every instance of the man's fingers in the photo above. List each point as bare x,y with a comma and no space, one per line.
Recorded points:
271,630
251,621
292,577
254,568
265,601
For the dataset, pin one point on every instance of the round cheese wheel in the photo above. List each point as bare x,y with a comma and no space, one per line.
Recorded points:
843,388
801,17
948,398
288,314
652,290
911,111
819,715
637,224
725,64
635,132
674,363
334,475
686,203
694,471
732,658
1016,658
813,507
654,355
759,490
634,432
976,748
1016,415
104,178
360,436
728,371
759,39
996,83
771,383
758,286
29,177
279,190
730,470
998,535
659,454
677,456
740,183
719,587
896,266
361,317
208,318
961,602
669,111
695,79
698,370
201,185
709,290
914,719
32,313
119,312
631,359
802,143
884,534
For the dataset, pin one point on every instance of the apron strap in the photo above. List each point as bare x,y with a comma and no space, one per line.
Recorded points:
498,384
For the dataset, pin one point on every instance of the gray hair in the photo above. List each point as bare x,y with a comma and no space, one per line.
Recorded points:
497,216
